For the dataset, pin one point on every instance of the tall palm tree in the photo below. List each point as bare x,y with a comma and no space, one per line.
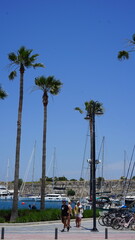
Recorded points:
49,85
3,94
126,54
22,60
91,108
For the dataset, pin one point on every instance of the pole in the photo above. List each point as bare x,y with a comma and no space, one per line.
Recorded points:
2,233
90,123
56,233
106,233
93,172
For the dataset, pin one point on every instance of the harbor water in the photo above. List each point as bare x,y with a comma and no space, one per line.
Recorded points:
7,204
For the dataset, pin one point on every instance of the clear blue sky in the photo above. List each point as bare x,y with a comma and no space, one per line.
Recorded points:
78,41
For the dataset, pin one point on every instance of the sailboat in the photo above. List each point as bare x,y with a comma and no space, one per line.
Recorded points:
5,193
50,197
55,196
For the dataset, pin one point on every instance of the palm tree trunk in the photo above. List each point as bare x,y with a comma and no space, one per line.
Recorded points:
14,212
91,154
42,206
93,172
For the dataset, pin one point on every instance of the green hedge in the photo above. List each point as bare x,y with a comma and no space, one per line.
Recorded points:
26,215
38,215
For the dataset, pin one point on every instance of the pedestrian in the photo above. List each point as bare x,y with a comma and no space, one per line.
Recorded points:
64,215
29,206
78,211
33,207
69,212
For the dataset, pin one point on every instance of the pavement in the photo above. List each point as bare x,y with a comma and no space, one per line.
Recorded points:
52,230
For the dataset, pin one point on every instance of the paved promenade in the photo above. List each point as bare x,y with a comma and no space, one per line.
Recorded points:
46,231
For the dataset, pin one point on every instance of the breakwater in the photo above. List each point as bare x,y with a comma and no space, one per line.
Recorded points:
81,188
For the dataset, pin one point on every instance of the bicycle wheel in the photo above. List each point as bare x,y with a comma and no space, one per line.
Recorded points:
131,224
100,220
107,221
116,223
122,223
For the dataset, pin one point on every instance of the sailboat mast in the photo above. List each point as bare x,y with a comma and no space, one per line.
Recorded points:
102,163
7,174
33,171
124,164
54,157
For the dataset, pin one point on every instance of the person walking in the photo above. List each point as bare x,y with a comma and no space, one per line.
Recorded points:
78,210
64,215
69,212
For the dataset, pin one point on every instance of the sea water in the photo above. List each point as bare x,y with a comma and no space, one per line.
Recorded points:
7,204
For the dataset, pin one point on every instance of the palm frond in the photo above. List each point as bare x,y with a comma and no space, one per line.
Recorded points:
94,107
12,57
3,94
12,75
23,51
40,82
24,57
38,65
99,110
133,37
123,55
78,109
49,84
34,57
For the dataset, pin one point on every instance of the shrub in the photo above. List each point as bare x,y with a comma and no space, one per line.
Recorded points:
37,215
26,215
89,213
70,192
5,214
2,220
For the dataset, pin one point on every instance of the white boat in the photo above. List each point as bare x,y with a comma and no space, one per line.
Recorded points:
130,199
5,193
54,197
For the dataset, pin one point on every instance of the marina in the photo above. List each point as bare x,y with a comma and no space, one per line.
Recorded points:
7,204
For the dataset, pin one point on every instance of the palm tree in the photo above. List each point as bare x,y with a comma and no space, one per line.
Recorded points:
22,60
90,108
3,94
93,108
52,86
122,55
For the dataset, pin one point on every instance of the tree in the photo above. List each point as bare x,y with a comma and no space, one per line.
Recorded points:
22,60
20,182
126,54
70,192
97,107
123,178
49,179
63,178
49,85
99,182
93,108
81,179
3,94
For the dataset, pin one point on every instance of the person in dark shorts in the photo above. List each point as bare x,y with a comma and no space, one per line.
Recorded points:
64,215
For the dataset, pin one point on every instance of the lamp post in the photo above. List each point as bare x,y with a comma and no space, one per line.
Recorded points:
93,172
92,108
89,117
92,162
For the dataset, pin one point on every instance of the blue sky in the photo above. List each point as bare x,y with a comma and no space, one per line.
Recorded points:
78,41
